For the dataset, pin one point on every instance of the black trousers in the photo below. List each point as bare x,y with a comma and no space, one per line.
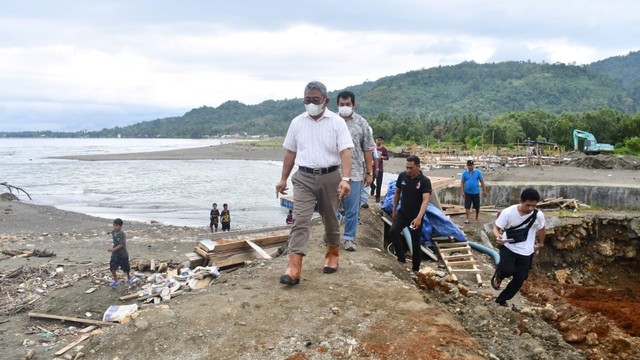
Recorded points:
399,223
512,265
376,186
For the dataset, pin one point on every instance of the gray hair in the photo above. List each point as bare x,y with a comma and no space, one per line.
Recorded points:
317,85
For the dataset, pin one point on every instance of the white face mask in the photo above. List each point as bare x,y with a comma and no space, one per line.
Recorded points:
313,109
345,110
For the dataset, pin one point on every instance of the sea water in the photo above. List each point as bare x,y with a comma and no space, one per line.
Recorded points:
175,192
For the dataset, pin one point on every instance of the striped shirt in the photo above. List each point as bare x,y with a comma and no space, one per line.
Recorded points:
318,143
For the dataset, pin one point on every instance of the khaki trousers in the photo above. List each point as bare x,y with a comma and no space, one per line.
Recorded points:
309,189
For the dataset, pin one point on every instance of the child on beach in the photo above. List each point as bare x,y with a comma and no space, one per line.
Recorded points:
225,218
119,254
214,216
290,218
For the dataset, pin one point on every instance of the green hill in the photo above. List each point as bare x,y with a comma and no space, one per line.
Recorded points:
436,96
441,93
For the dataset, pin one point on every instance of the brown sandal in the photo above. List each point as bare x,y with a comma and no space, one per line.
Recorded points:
495,282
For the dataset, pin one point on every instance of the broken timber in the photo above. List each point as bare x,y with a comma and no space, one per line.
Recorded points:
235,248
66,348
458,258
67,318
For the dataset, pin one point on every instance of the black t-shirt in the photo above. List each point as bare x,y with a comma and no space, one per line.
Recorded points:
225,216
411,192
214,215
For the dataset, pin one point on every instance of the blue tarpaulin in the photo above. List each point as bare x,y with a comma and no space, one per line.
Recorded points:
434,222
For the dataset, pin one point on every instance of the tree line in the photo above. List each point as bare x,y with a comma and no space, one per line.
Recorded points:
607,125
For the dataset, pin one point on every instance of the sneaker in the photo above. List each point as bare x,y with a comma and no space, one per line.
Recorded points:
132,280
113,285
365,206
349,245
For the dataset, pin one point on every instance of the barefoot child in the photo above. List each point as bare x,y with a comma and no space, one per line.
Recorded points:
119,254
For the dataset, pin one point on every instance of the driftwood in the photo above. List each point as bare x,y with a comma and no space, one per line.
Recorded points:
18,189
28,253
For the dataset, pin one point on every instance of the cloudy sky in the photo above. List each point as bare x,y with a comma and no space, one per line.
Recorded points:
74,65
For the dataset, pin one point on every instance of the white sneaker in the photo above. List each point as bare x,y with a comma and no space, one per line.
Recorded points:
349,245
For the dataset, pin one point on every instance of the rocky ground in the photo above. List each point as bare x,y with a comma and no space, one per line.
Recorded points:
371,308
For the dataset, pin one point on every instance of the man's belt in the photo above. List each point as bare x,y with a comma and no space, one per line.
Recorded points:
318,171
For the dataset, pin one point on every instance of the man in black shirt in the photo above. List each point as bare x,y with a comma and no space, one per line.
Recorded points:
413,190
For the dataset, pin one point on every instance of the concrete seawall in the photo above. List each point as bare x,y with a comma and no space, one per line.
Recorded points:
503,194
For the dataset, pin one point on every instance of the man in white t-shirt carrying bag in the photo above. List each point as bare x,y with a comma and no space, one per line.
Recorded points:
516,231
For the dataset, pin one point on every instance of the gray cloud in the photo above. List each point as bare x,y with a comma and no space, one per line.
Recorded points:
65,62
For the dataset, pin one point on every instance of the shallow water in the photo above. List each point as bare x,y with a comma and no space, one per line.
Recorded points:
169,191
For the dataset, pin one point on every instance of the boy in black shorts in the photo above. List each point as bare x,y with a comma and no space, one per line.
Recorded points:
119,254
214,216
225,218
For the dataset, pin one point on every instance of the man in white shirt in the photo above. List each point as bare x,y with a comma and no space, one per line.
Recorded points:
318,142
521,224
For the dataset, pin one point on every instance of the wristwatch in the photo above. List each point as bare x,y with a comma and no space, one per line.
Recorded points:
347,179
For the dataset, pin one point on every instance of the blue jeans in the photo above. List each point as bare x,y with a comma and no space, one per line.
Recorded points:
364,194
351,209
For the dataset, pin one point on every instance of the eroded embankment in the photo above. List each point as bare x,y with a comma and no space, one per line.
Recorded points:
589,272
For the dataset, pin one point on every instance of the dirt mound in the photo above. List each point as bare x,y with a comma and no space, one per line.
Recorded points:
604,161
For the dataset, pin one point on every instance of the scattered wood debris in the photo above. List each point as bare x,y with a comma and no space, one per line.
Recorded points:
562,203
29,252
234,248
451,209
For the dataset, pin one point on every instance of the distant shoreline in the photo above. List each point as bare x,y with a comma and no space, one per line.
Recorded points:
232,151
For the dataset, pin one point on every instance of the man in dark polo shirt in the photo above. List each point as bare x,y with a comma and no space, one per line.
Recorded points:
413,190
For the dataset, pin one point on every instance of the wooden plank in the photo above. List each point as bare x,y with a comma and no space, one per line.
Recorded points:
220,236
67,318
88,329
448,250
152,267
237,259
66,348
454,257
258,249
241,245
129,296
461,262
202,253
467,270
207,245
452,244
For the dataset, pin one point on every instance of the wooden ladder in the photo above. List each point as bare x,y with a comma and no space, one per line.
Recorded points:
458,258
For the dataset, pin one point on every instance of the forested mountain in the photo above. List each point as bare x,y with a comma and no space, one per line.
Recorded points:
441,93
435,96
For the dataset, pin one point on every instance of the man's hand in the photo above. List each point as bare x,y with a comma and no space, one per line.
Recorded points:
415,224
368,179
281,188
343,189
109,249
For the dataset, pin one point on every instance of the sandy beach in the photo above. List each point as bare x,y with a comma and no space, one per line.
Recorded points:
538,174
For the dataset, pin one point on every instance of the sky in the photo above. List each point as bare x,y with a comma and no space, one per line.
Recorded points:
89,65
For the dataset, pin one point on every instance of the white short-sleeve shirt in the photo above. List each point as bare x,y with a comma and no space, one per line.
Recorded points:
510,217
318,143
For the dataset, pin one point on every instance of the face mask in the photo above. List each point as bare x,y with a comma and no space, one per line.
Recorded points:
345,110
313,109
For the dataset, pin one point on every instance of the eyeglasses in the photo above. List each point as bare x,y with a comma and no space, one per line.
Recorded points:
315,101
